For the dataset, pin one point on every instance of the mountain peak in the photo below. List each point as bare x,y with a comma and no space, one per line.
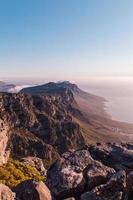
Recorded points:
51,88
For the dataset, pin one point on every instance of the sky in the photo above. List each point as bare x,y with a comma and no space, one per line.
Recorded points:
66,39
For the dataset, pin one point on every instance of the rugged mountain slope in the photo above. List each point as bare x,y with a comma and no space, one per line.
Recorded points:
96,125
40,125
46,121
53,118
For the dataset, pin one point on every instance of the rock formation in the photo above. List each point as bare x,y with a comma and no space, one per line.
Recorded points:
96,172
6,193
4,151
35,162
32,190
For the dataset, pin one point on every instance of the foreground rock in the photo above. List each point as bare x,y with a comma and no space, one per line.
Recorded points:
114,155
6,193
74,172
32,190
98,172
114,189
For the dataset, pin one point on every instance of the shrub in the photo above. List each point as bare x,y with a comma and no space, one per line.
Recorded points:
15,172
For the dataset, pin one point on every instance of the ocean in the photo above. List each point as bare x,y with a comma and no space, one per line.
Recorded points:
119,95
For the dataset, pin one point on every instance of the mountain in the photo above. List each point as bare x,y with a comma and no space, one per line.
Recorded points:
4,87
48,120
95,123
39,124
61,135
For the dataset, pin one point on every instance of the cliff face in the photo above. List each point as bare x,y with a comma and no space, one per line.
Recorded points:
88,111
40,123
55,117
4,152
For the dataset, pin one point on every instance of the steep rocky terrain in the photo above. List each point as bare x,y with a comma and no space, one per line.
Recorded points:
96,125
40,124
100,172
62,129
40,119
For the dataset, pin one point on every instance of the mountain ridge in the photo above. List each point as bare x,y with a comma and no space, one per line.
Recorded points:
94,120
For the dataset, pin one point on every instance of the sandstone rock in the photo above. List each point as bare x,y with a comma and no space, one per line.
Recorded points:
32,190
4,153
114,155
25,144
6,193
98,174
65,177
37,163
74,171
114,189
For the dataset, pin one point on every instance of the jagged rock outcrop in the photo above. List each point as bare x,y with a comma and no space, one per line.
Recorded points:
118,156
40,120
88,110
37,163
74,172
6,193
4,151
32,190
25,144
86,174
114,189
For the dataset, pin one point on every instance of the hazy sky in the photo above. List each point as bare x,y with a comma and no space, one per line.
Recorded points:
66,39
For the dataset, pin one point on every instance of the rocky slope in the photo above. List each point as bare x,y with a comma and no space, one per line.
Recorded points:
96,125
40,119
40,124
58,121
94,172
100,172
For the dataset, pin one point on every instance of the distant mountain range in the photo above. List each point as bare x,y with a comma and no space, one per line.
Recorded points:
4,87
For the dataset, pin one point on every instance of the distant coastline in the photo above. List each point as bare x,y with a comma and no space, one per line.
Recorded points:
119,98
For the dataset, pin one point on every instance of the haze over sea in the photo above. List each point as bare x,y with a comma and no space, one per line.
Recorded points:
118,93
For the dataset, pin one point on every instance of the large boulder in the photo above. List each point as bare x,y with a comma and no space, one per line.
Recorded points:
114,189
65,177
118,156
32,190
97,174
6,193
75,171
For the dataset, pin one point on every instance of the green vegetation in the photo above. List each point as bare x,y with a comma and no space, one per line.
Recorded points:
15,172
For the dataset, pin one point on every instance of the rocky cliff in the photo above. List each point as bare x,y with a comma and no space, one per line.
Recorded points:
88,111
59,123
40,124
